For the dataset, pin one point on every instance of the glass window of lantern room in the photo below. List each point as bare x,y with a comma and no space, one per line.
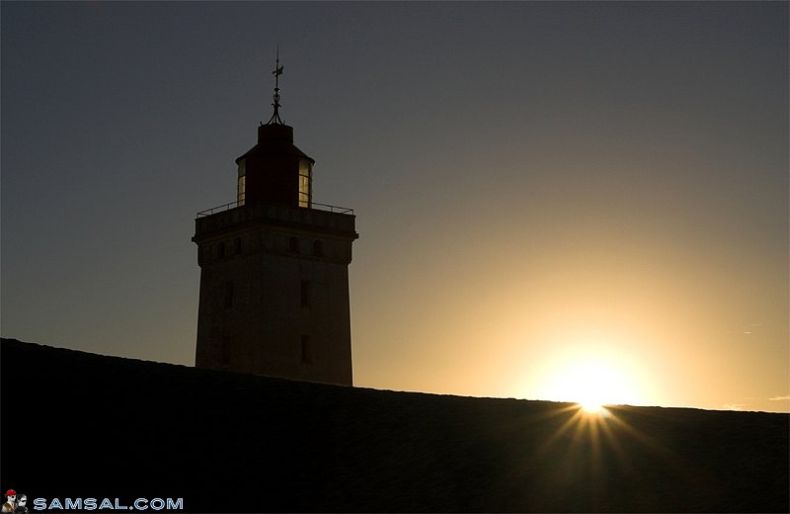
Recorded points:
242,185
305,183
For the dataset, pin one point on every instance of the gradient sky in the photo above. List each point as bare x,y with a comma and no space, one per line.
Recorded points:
538,186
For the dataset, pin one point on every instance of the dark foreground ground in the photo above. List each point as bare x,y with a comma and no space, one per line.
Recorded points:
77,424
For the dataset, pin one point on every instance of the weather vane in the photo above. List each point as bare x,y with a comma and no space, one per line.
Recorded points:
278,70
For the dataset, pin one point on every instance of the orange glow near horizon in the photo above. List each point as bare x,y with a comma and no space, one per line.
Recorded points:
592,379
593,407
577,315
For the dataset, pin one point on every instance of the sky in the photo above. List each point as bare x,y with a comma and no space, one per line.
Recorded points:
551,197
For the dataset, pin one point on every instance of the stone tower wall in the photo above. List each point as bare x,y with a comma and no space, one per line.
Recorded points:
274,294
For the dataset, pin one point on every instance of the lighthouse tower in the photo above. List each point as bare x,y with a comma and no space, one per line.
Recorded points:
274,269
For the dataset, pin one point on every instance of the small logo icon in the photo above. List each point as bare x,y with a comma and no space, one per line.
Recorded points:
15,504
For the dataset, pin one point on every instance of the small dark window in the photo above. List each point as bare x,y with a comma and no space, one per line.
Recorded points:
305,293
307,356
225,351
293,245
221,250
237,245
228,295
318,248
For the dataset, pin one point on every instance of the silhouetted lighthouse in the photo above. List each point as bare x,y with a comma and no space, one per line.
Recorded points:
274,269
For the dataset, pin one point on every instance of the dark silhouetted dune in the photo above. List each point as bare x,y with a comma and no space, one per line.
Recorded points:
77,424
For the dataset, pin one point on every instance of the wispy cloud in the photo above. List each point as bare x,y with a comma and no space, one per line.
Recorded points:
733,406
779,398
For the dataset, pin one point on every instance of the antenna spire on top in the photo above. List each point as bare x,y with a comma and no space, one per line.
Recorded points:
278,70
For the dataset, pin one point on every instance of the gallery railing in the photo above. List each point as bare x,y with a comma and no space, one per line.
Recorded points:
239,203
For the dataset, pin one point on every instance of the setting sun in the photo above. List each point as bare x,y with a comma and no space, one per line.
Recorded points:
593,380
592,407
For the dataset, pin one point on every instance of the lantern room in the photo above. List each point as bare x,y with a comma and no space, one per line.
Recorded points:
274,170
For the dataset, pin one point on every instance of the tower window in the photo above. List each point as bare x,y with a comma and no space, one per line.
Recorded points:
228,295
221,250
237,246
306,354
318,248
305,294
241,192
293,245
305,183
224,350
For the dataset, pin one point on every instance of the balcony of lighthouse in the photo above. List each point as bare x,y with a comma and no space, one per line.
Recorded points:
327,217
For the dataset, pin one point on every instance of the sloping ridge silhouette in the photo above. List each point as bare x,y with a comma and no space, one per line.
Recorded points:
79,424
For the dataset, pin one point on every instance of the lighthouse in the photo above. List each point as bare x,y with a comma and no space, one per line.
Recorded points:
274,296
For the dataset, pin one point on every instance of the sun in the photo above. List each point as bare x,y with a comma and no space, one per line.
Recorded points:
592,407
592,382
